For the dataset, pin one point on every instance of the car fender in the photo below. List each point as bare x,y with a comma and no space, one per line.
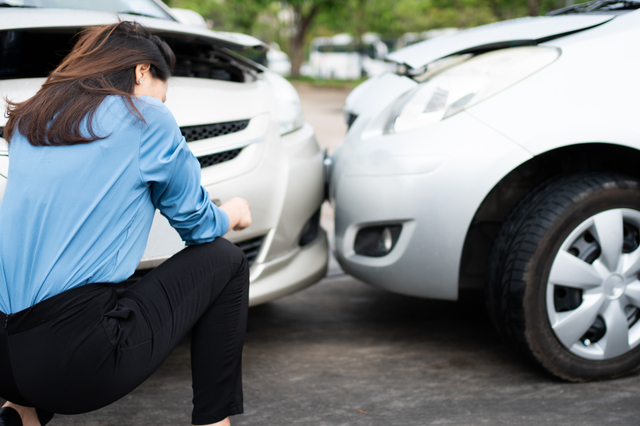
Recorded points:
575,106
461,160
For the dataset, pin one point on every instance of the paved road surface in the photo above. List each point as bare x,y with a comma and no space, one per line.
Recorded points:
343,353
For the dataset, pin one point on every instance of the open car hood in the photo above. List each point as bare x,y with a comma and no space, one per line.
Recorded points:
515,32
23,18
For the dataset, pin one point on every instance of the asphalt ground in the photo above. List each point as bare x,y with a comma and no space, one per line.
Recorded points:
344,353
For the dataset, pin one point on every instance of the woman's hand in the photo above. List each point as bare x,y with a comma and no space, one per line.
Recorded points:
239,213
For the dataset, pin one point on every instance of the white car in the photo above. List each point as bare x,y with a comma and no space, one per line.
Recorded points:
341,57
243,123
278,61
507,157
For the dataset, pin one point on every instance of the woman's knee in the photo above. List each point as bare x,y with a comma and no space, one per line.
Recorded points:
241,265
223,252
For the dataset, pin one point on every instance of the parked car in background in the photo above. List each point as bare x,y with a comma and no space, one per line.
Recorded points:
243,122
343,57
335,58
506,157
372,53
278,61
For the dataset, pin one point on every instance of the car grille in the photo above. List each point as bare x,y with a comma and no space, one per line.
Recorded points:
251,248
206,131
220,157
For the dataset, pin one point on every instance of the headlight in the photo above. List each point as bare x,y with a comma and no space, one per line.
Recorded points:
467,84
289,109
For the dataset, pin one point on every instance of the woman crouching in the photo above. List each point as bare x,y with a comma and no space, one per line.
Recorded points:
92,156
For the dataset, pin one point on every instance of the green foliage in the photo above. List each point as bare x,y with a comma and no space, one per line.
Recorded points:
391,19
226,15
280,21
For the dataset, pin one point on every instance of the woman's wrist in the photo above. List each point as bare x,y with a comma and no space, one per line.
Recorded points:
233,218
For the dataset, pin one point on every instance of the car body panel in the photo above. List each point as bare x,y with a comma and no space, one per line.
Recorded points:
529,30
294,271
430,164
285,190
67,18
615,46
433,179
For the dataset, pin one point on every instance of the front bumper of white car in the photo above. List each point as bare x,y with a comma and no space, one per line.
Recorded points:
285,245
295,251
425,183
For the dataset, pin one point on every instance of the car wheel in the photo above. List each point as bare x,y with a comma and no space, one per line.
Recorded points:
563,276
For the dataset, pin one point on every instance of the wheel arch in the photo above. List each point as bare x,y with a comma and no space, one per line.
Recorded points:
514,186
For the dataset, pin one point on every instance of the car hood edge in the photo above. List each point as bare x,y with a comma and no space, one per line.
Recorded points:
14,19
521,31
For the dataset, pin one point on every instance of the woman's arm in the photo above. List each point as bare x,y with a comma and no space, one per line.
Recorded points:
173,173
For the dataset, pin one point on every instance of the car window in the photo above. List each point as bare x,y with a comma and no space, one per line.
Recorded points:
136,7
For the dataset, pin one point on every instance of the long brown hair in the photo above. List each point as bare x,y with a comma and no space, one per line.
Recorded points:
101,63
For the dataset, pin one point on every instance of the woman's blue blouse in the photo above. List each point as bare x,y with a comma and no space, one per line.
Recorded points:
78,214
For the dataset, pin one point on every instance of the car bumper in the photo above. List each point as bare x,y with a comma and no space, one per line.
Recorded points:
298,269
430,182
284,265
285,191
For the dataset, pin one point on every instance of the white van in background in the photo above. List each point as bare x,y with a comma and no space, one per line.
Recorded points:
343,57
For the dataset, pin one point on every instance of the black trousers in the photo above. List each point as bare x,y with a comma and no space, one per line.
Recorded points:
88,347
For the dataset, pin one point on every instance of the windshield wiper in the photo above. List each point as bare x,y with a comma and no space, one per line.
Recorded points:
597,6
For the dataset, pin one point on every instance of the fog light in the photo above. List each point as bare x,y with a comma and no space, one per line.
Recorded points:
377,241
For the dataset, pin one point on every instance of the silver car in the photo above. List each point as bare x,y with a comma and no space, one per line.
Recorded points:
243,123
507,157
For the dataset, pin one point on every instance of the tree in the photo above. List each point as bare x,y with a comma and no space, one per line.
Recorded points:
304,13
242,15
534,7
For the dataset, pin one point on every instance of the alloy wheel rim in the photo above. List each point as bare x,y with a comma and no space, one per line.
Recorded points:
593,290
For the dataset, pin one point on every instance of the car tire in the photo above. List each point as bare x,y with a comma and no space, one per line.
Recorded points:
563,276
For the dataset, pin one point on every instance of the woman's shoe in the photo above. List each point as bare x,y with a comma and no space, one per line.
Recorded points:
9,417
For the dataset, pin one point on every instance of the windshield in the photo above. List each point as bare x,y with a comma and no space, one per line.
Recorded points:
135,7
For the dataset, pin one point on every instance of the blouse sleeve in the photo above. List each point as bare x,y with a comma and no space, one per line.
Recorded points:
169,167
